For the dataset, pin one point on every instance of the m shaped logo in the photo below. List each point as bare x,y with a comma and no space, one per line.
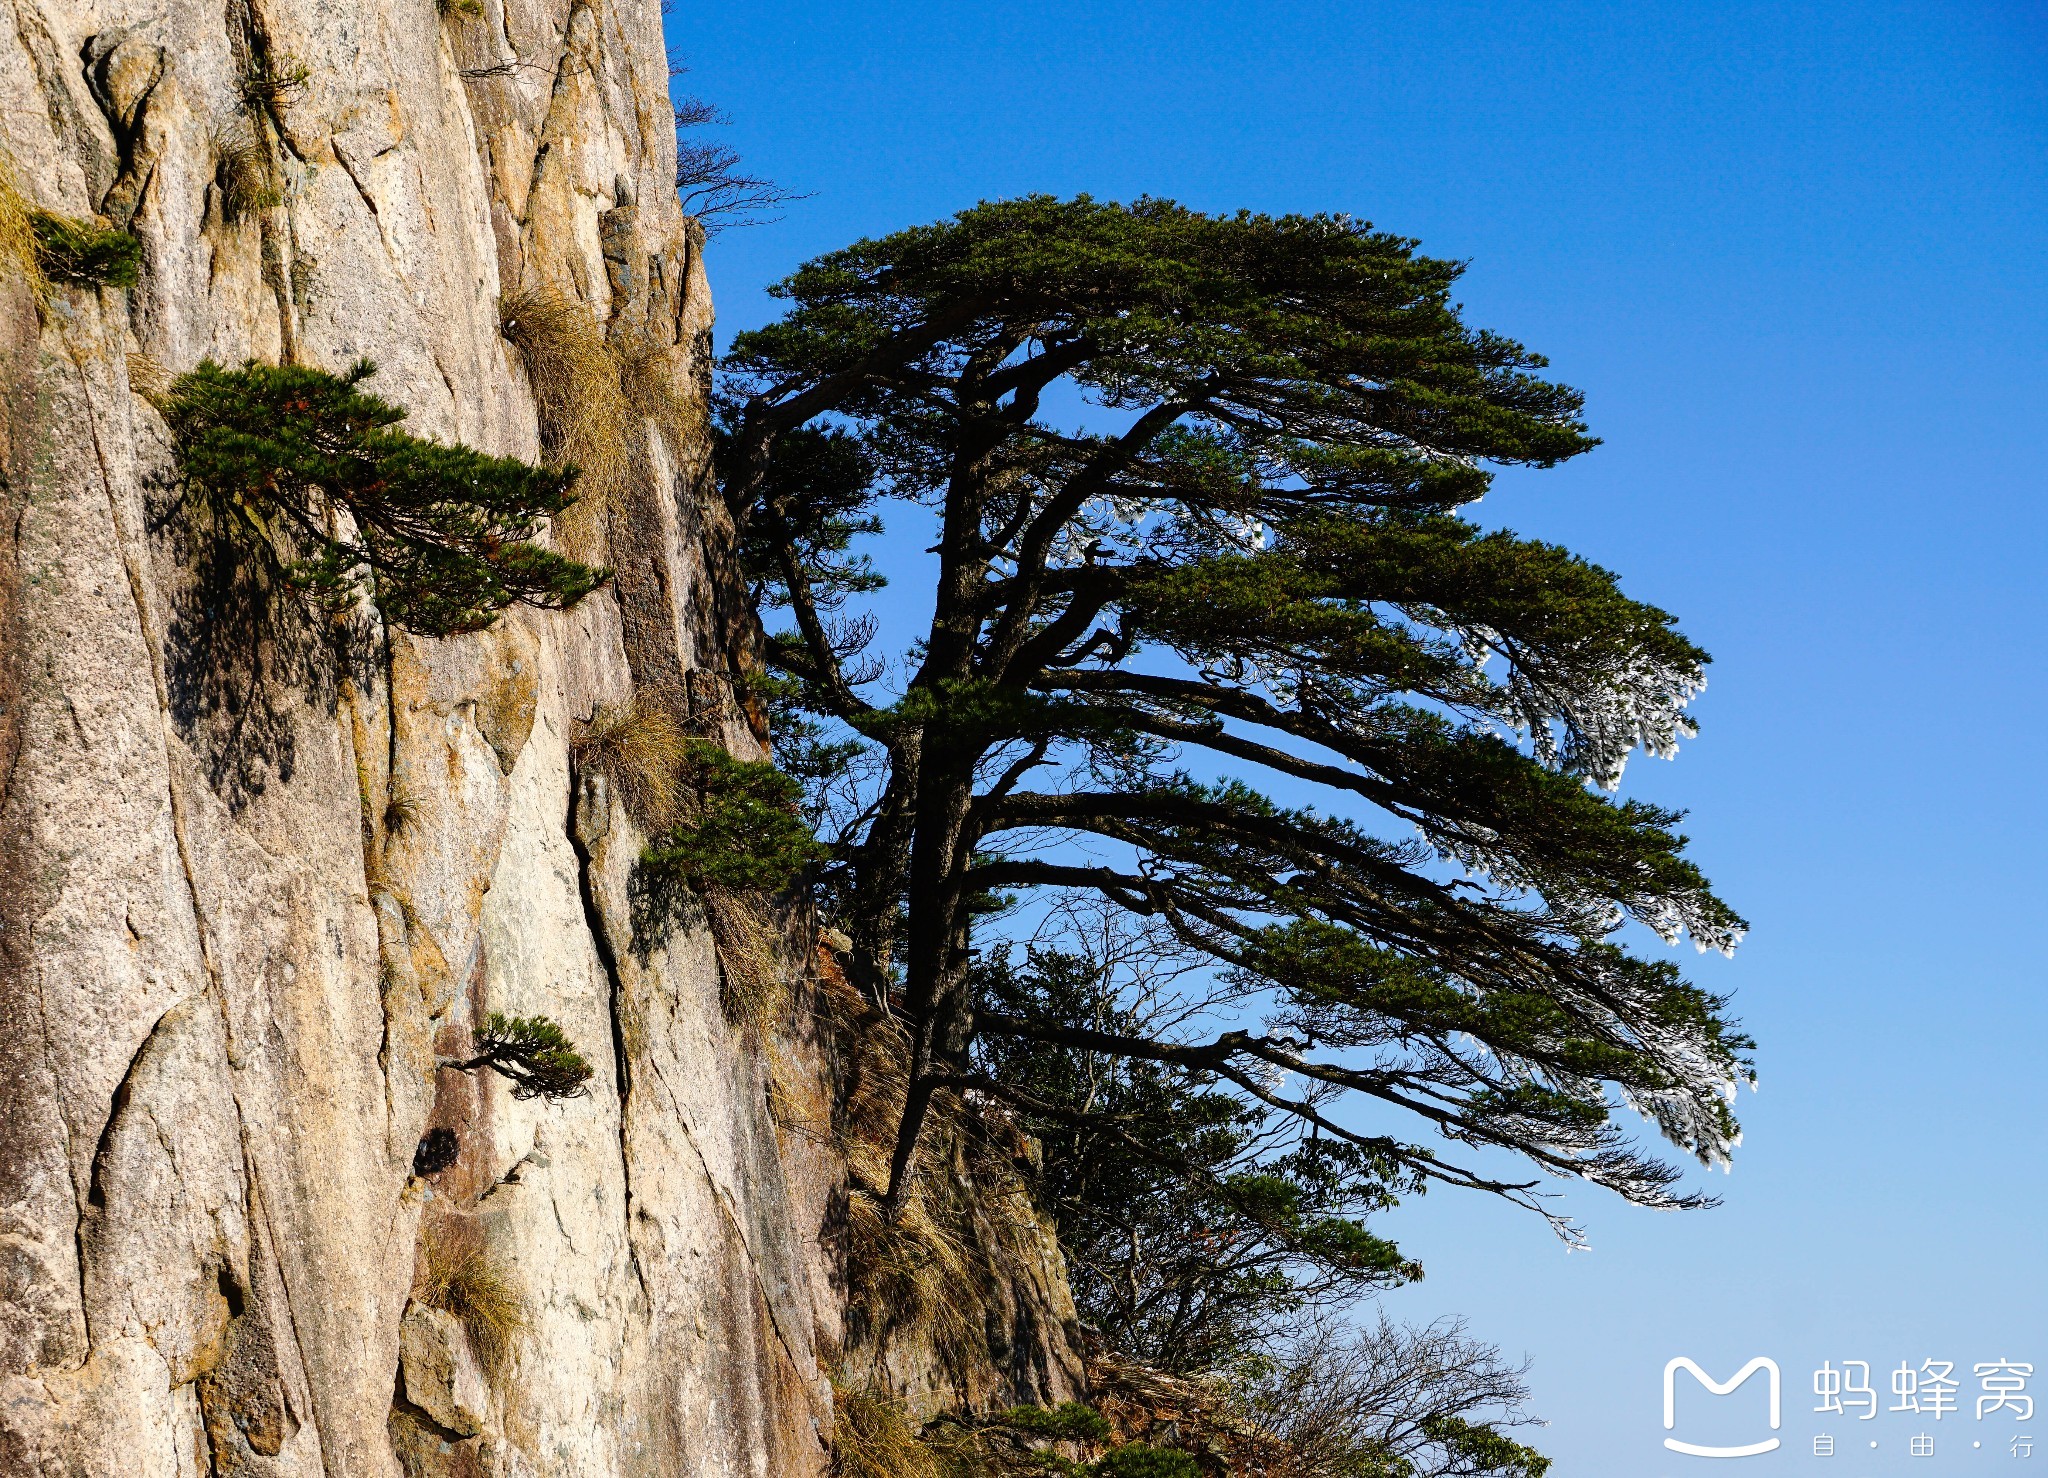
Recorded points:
1719,1389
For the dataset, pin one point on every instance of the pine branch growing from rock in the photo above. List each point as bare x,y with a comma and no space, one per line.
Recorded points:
747,832
84,253
440,537
39,247
533,1053
710,182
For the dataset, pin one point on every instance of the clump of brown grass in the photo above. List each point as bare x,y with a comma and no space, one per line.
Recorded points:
754,983
652,374
913,1272
872,1437
149,379
459,1276
243,174
793,1091
641,749
19,253
918,1270
586,420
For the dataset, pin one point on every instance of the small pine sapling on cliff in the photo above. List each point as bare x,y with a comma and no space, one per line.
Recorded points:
440,537
748,831
269,81
78,251
533,1053
38,247
745,838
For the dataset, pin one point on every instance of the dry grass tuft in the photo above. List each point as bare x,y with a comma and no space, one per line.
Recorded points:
462,1278
586,420
914,1272
654,375
243,173
149,379
872,1437
794,1093
919,1272
641,749
754,985
19,253
401,809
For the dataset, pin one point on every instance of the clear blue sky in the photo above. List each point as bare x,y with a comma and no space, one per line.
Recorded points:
1794,254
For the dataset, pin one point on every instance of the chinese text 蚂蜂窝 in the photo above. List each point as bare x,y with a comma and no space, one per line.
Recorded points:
1928,1389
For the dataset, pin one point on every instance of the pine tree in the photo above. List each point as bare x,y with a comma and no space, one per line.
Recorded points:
309,467
1197,1226
532,1053
1252,575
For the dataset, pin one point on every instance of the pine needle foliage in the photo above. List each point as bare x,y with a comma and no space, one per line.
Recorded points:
533,1053
1142,1460
441,538
1252,573
1057,1442
748,832
1070,1421
80,252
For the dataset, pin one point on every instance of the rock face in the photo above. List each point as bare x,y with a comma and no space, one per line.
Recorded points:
256,878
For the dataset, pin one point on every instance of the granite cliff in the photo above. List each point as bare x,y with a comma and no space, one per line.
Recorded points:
258,880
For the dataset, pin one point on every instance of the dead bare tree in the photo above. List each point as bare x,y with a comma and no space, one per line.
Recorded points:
712,185
1428,1401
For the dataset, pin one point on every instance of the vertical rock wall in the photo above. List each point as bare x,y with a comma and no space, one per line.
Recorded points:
255,879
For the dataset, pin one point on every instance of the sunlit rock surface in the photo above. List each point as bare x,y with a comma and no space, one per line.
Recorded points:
255,881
